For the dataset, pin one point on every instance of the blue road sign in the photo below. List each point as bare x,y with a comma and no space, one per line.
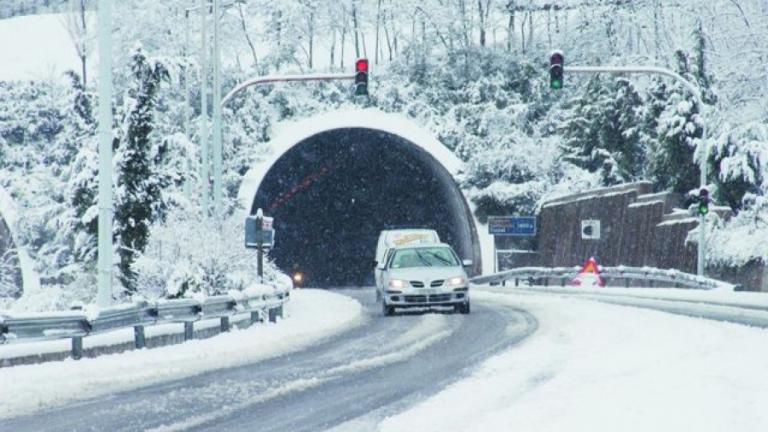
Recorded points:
524,226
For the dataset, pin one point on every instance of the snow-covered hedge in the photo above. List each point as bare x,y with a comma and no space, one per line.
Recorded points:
189,255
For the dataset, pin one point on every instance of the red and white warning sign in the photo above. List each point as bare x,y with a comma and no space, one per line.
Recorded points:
589,275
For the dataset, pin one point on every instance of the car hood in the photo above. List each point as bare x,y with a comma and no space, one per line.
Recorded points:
426,273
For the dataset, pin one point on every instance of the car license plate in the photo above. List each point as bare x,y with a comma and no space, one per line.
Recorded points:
430,291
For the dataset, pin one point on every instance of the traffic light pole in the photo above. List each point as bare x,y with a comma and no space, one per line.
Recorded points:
270,79
703,154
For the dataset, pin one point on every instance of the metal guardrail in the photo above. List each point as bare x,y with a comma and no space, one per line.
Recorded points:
613,276
78,324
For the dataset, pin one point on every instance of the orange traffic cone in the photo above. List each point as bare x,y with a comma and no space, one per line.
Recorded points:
589,275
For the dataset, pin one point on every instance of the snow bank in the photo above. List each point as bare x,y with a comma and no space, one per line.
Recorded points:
595,367
314,314
717,295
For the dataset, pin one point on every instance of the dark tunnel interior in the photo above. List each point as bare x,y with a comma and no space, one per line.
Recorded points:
331,195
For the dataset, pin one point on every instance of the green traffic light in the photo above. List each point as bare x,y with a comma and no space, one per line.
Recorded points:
703,209
555,84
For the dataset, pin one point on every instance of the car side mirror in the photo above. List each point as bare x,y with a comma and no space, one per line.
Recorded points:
375,263
467,263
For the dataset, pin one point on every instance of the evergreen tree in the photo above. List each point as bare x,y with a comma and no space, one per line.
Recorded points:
601,133
678,128
138,186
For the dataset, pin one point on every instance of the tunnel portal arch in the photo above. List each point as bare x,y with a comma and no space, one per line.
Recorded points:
335,180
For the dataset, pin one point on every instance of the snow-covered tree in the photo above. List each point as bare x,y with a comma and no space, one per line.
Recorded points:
9,275
601,134
138,195
678,130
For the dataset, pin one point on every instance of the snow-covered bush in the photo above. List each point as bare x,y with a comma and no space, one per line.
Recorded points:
744,238
191,255
9,276
743,162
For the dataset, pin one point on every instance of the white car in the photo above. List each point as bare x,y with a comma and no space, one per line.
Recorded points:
400,237
421,276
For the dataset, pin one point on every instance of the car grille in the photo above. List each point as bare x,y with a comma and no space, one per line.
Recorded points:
435,298
417,284
415,299
436,283
440,298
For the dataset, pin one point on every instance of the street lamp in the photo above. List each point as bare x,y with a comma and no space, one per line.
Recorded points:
214,6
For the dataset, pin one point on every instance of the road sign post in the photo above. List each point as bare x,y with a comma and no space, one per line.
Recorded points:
259,235
511,226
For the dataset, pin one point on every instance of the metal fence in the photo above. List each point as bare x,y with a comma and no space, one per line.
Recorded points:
78,324
612,276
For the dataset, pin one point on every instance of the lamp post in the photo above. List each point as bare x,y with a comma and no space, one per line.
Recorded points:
217,146
187,114
204,111
105,204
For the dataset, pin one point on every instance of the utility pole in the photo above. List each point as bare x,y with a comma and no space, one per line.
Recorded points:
703,155
204,174
104,265
217,146
187,114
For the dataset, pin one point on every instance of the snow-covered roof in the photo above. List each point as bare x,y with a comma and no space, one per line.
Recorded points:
289,134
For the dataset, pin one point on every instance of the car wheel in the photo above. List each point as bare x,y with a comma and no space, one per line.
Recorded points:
387,310
463,308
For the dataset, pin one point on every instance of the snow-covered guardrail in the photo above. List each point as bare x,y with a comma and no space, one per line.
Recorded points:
77,324
613,276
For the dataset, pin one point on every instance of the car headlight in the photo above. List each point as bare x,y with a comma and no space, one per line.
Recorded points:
298,277
457,281
397,283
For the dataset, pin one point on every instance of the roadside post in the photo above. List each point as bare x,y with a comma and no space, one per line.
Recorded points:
509,226
259,235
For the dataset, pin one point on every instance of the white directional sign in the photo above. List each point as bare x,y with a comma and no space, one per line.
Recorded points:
590,229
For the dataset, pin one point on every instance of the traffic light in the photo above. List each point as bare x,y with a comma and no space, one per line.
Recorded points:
703,201
361,77
556,70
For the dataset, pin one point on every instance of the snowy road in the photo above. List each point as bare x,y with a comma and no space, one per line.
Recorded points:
353,379
738,308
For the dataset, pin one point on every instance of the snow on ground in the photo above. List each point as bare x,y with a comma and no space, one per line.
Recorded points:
36,47
596,367
313,314
712,296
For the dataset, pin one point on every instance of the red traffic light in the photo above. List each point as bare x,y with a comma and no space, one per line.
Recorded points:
556,58
361,77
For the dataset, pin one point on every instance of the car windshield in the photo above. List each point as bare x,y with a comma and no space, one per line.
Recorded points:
424,257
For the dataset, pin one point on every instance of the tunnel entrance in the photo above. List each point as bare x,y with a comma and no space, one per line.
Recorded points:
333,192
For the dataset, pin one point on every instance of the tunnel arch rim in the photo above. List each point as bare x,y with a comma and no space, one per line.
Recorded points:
289,135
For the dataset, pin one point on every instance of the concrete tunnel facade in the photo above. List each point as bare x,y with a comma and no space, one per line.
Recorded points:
334,181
